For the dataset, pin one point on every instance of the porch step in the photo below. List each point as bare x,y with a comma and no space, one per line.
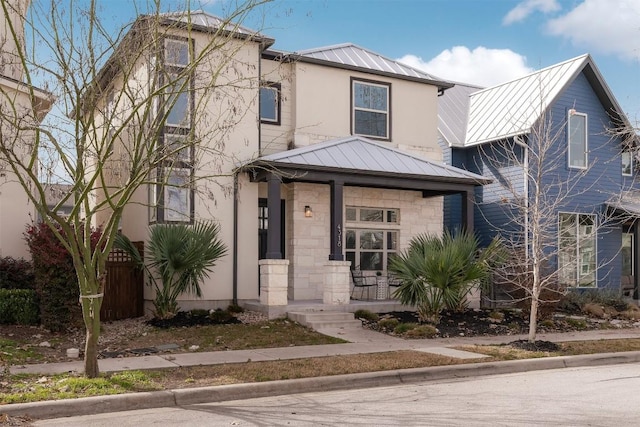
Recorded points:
324,319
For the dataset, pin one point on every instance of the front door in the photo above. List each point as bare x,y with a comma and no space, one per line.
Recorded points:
263,225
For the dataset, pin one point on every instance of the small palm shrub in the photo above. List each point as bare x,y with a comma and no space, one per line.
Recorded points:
438,272
179,258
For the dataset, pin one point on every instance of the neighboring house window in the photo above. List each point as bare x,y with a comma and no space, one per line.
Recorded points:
577,139
577,250
627,163
270,103
370,109
370,237
172,199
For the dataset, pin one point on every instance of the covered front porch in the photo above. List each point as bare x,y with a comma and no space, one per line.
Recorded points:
351,203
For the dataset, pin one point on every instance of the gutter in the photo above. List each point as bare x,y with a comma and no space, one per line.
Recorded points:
235,238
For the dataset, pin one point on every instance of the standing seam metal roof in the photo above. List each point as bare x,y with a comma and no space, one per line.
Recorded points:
358,153
356,56
512,108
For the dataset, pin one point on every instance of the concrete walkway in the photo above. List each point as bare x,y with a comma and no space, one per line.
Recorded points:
360,341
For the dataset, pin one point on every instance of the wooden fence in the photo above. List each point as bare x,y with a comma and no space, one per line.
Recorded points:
124,290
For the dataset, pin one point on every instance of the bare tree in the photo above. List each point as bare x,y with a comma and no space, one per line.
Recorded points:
106,136
525,204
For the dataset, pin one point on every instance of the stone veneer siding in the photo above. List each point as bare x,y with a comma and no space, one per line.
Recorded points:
308,238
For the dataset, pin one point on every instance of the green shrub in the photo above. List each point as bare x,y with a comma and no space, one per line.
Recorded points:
56,282
422,331
575,301
366,315
18,306
388,323
235,308
220,316
404,327
576,323
16,274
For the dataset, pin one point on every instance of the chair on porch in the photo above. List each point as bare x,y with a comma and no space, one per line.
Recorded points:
361,281
392,282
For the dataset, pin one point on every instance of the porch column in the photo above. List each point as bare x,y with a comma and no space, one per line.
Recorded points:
636,256
336,221
274,251
337,282
467,210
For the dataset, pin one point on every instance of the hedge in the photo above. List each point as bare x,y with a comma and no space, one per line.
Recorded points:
18,306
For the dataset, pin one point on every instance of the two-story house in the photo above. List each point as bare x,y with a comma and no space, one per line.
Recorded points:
335,166
562,172
21,105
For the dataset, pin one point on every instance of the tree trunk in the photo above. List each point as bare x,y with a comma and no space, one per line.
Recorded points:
91,314
533,319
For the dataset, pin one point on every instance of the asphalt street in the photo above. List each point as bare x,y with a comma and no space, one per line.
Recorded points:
586,396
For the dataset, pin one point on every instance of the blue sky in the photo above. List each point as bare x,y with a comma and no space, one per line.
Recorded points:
484,42
476,41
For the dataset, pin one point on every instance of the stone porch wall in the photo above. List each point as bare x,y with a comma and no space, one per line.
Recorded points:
308,239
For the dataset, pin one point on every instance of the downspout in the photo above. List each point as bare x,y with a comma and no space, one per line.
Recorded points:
525,147
235,238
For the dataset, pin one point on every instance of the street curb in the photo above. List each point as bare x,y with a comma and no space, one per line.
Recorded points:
180,397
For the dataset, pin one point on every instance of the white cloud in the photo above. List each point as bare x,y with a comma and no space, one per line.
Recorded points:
482,66
602,25
527,7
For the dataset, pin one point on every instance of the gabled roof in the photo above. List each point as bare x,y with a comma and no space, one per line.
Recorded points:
513,108
453,112
358,154
204,21
352,57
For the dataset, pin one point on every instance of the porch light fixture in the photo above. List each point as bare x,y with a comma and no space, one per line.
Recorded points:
308,213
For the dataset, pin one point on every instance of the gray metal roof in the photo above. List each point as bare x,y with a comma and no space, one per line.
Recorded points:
356,56
453,113
205,20
628,203
513,108
360,154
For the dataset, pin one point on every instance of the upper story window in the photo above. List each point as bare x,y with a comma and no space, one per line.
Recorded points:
370,108
176,52
171,199
627,163
577,139
270,103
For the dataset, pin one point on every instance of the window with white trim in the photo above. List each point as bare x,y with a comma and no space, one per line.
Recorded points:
270,103
627,163
577,139
171,199
371,237
577,250
370,109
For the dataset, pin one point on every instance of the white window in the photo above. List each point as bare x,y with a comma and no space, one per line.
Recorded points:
178,101
177,148
177,195
370,109
577,250
176,52
627,163
270,103
577,140
370,237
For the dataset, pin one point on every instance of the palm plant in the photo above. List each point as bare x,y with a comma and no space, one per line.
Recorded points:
181,256
438,272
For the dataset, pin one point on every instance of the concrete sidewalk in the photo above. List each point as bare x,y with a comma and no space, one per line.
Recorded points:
361,341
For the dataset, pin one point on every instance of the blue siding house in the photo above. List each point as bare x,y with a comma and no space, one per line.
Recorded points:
562,171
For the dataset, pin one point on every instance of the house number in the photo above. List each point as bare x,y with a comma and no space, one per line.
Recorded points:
339,236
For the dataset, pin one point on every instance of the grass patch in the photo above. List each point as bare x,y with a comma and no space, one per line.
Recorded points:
268,334
33,388
13,352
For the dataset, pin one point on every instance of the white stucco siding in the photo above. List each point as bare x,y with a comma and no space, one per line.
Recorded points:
274,137
323,108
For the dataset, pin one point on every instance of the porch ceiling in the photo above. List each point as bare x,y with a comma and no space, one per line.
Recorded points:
357,161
